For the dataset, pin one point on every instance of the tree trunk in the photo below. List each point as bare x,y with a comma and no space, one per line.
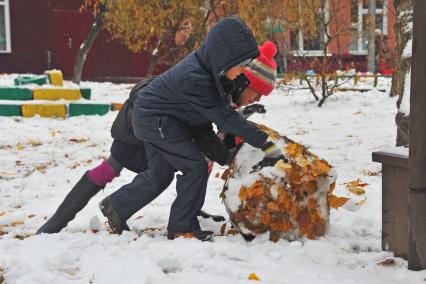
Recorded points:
403,30
86,46
371,36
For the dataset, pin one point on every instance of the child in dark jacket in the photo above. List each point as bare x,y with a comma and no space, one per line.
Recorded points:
188,95
128,152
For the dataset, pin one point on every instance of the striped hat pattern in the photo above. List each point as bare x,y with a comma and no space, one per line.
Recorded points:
262,71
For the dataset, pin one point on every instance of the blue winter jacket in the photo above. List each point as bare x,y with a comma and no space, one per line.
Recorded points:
191,93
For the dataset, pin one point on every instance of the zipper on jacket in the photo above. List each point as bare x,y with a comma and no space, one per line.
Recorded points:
160,126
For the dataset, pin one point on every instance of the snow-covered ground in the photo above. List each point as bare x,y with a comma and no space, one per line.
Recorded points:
41,159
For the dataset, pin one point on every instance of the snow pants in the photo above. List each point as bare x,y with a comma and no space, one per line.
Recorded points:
175,152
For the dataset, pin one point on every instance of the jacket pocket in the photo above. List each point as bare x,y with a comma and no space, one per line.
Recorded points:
172,130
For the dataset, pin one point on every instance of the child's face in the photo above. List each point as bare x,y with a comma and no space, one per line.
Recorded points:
249,96
234,72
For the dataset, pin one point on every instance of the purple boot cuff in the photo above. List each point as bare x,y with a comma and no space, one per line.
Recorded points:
102,174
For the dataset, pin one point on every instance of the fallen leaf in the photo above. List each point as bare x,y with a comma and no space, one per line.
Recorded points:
372,173
2,213
31,216
34,143
53,133
253,276
41,168
356,182
225,174
357,113
332,187
336,202
361,202
20,147
139,217
16,223
232,232
356,190
387,262
222,229
78,140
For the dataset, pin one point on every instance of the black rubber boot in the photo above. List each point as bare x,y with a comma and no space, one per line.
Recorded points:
73,203
117,226
204,236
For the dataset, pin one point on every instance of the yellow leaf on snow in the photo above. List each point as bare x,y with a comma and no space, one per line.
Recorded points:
253,276
2,213
34,143
16,223
356,182
356,190
336,202
361,202
20,147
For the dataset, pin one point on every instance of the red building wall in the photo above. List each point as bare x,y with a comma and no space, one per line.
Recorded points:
41,32
339,49
47,33
30,29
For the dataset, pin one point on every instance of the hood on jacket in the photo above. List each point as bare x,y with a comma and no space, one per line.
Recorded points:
227,44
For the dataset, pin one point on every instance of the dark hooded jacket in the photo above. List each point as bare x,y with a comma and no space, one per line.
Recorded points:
192,93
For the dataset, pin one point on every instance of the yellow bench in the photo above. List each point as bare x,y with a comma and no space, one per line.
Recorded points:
56,94
44,110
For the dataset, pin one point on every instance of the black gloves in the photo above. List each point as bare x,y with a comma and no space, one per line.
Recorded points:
272,154
216,218
209,144
250,109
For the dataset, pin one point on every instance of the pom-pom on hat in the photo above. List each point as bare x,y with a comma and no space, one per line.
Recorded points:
262,71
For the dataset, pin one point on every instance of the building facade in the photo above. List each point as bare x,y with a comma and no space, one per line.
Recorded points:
36,35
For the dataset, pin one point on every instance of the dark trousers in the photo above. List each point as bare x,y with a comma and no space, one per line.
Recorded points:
164,159
129,156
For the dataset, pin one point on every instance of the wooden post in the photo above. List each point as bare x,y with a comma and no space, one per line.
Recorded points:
417,183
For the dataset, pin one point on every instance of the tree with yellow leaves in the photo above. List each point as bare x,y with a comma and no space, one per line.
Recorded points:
164,28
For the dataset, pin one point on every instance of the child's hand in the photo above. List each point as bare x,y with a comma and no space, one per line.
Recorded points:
259,108
271,149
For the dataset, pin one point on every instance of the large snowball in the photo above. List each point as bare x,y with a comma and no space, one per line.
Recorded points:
289,200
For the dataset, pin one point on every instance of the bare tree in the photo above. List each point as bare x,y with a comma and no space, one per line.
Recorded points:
400,86
85,47
327,15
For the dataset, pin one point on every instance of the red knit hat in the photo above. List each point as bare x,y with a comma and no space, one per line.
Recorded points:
262,71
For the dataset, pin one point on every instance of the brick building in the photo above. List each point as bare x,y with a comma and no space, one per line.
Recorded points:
36,35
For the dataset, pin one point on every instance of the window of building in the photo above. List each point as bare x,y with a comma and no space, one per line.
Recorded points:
5,45
359,28
303,45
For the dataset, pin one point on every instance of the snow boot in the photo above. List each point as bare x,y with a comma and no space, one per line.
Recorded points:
117,226
73,203
204,236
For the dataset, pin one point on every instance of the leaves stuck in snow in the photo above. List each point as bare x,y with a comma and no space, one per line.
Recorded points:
356,187
387,262
78,140
291,205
